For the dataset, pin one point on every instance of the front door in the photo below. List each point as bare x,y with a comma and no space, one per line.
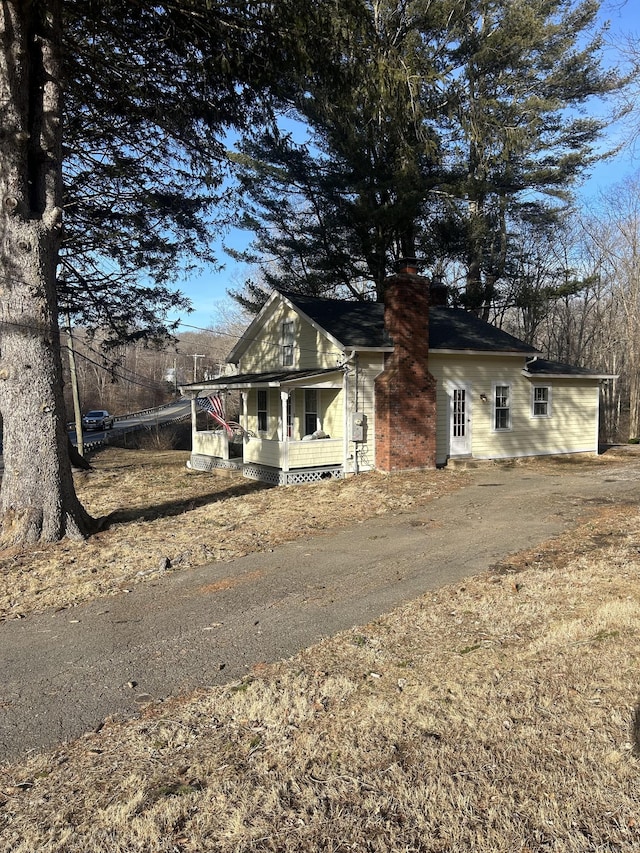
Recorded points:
460,422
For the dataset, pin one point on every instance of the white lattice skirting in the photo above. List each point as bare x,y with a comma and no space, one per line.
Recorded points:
276,477
199,462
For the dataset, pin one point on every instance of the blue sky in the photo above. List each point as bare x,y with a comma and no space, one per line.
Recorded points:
208,290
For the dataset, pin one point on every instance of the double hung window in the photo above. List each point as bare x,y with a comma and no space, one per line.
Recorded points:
541,407
262,410
287,343
502,407
311,423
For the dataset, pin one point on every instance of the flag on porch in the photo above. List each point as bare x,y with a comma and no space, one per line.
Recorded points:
215,407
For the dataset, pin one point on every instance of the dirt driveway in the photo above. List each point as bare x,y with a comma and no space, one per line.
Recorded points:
64,672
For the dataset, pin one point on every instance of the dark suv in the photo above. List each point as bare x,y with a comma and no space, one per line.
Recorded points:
98,419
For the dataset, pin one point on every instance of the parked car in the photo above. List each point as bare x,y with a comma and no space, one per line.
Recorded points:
98,419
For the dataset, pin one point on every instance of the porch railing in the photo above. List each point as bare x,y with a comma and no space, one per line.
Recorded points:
293,454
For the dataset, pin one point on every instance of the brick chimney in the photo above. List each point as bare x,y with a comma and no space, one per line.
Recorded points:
405,422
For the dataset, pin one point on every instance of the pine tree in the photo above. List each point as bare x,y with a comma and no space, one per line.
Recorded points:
520,74
340,208
436,128
130,104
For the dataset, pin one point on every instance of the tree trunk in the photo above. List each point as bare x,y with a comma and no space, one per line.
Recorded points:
37,499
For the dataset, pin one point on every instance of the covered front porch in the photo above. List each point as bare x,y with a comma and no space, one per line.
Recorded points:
290,426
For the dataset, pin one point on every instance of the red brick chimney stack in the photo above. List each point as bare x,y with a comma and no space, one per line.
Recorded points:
405,390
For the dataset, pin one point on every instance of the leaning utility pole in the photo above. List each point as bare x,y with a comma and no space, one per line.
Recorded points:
74,390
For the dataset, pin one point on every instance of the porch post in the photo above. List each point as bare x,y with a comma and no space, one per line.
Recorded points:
284,432
194,426
245,410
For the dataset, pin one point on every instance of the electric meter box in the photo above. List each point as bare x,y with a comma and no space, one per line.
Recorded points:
358,420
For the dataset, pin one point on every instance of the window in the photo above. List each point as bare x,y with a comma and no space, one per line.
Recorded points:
262,411
502,407
541,401
287,343
311,423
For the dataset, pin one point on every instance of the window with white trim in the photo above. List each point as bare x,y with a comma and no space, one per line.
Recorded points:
262,410
287,343
311,420
502,407
541,401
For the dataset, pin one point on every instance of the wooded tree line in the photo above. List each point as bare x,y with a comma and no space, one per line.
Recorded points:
136,375
438,128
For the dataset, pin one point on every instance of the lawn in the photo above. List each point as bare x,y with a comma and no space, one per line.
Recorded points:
500,714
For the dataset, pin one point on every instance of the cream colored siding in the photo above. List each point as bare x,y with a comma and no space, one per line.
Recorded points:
310,348
362,373
332,412
273,412
211,444
570,428
263,451
307,454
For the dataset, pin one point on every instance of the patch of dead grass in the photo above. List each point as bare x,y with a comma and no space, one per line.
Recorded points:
500,714
164,516
494,715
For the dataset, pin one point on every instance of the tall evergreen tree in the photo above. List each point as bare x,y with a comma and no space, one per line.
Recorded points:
520,74
453,123
130,103
341,207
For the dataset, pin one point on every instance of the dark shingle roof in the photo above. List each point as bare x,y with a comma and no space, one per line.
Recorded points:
544,367
361,324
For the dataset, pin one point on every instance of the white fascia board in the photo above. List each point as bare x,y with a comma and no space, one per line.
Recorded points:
308,382
549,376
479,352
249,334
368,349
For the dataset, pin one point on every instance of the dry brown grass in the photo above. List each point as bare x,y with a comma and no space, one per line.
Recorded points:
187,519
496,715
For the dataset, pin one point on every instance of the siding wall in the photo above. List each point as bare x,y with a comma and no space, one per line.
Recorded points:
310,348
330,412
571,428
362,399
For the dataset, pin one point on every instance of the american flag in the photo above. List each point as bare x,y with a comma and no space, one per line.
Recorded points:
214,406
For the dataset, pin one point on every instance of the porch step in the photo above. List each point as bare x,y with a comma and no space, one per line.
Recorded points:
213,464
463,463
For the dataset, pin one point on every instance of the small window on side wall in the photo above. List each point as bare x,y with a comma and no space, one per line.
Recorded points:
502,407
287,343
311,421
541,404
262,411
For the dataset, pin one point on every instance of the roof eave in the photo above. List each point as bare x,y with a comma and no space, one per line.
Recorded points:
550,375
492,352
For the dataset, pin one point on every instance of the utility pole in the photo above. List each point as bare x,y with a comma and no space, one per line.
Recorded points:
74,389
195,358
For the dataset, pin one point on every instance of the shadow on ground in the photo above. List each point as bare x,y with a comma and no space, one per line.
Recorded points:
178,507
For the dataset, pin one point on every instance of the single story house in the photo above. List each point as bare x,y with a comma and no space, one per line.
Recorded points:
329,388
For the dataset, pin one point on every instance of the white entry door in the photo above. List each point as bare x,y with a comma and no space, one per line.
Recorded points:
460,422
